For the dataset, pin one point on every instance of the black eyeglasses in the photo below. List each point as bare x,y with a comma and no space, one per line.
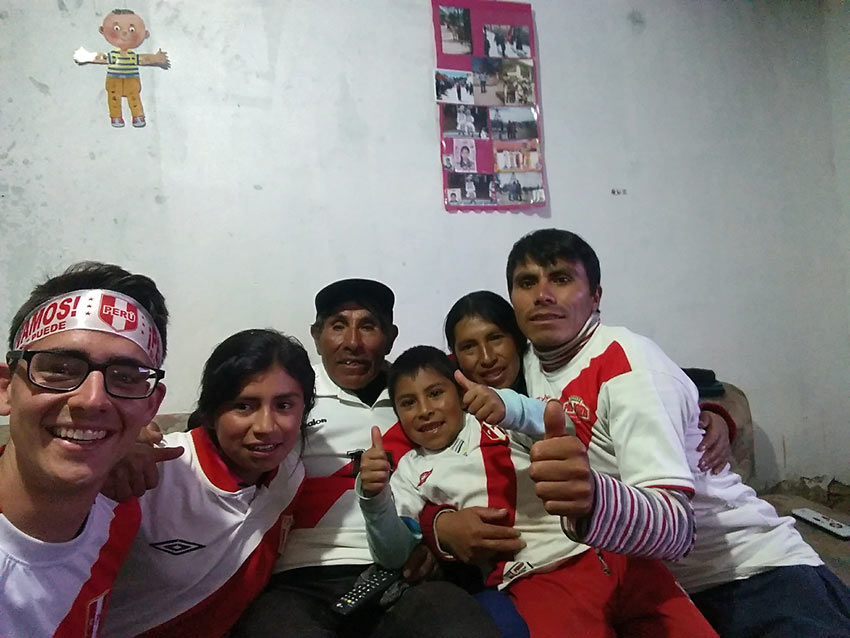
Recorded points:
65,372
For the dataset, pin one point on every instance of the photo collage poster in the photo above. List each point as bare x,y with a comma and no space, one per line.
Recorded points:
487,93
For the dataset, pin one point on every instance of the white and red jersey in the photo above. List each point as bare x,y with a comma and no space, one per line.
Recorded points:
329,528
631,404
64,589
486,467
206,546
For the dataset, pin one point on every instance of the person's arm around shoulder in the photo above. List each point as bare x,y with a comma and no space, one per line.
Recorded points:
391,541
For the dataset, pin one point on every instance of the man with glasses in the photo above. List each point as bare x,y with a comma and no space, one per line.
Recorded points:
80,380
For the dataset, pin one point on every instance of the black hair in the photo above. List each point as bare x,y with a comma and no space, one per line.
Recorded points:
242,355
385,321
119,12
545,247
91,275
419,358
495,309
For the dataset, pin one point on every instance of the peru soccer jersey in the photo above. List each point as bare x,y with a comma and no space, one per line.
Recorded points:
64,589
329,528
486,467
637,413
206,546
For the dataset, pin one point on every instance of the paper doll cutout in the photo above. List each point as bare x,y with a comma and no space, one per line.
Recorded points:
124,30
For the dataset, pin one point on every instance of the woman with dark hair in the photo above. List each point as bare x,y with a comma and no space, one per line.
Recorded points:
212,529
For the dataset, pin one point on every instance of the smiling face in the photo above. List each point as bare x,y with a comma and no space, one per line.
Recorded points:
66,441
258,428
553,302
124,31
486,353
428,408
352,345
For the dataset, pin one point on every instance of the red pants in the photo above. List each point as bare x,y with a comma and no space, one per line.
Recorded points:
639,598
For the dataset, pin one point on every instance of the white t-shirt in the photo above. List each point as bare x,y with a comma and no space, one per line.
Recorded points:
329,528
63,589
206,546
625,396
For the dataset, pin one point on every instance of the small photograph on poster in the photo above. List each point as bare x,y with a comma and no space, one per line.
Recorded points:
473,188
513,122
448,163
519,156
464,156
453,196
454,87
489,85
518,79
464,121
519,188
506,41
455,31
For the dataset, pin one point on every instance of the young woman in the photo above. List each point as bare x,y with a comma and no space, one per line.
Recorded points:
211,530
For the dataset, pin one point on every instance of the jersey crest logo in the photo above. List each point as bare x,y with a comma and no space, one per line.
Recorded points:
177,546
94,614
119,314
494,432
575,407
517,569
424,477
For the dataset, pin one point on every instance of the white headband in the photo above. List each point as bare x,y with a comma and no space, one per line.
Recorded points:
102,310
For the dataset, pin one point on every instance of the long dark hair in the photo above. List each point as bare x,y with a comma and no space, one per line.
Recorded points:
242,355
495,309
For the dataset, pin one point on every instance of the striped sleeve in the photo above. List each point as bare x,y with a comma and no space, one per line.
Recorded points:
649,522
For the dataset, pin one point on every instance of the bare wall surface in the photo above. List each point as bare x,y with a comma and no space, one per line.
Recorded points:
293,143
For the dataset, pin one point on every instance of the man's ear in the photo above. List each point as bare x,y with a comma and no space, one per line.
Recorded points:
316,333
154,401
101,29
392,334
5,382
597,297
147,34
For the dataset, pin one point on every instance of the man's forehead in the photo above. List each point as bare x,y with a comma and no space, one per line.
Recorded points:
560,263
99,346
352,310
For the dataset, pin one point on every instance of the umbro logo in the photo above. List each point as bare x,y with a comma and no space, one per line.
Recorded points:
314,422
177,546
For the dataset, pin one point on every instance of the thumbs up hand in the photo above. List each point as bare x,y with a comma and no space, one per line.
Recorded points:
374,466
481,401
560,468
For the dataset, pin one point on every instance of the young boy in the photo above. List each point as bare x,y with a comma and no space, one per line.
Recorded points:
80,381
463,463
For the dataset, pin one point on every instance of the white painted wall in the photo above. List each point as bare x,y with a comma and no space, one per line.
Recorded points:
296,142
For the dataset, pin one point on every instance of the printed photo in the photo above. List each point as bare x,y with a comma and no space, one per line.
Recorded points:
453,196
454,87
464,121
474,188
448,164
519,188
513,122
464,155
455,31
518,79
489,86
506,41
517,156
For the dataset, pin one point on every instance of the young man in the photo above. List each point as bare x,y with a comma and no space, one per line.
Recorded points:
81,379
327,549
750,572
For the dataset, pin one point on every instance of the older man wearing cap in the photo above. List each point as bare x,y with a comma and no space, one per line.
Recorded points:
328,549
80,380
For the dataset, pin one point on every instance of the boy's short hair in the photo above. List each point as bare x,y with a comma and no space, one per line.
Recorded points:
87,275
546,246
419,358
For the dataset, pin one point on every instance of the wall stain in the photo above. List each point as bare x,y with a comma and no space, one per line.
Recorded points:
62,6
637,21
3,16
160,199
258,187
41,86
92,155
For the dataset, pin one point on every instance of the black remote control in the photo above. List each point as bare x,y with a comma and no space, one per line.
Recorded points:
369,586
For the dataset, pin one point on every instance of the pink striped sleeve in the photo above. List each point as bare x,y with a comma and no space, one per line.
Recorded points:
650,522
